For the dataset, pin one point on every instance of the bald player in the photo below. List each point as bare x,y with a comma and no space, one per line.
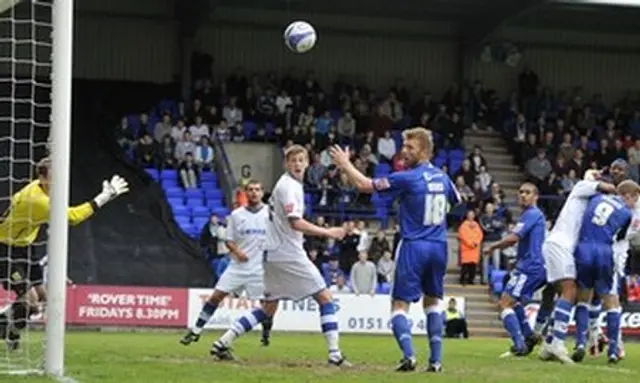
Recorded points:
529,274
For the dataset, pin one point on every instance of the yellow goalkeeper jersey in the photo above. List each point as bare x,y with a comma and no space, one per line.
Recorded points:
29,209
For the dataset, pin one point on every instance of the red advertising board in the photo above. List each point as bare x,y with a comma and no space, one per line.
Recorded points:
127,306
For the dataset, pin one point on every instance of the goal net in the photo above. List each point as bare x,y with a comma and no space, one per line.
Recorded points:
25,109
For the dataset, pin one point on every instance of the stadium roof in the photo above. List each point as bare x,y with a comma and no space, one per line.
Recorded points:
476,18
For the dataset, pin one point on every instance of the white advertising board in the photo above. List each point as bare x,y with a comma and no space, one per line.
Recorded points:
357,314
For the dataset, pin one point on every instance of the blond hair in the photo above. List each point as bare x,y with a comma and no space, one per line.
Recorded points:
422,135
628,187
294,150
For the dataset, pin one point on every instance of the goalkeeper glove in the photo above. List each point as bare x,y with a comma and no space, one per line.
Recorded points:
111,190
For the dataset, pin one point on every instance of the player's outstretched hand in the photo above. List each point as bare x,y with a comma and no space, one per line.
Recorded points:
487,250
118,185
340,156
111,190
336,233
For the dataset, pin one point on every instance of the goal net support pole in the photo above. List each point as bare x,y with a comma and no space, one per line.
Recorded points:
62,39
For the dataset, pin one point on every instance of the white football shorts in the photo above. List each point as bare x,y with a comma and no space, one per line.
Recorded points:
293,279
234,281
559,262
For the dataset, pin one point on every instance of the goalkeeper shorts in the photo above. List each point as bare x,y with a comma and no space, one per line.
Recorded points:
17,272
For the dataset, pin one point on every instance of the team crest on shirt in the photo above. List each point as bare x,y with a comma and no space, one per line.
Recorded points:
381,184
288,208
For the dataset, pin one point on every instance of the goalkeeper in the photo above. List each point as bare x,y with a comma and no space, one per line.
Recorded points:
19,227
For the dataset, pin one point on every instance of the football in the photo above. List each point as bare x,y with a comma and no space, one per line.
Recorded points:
300,36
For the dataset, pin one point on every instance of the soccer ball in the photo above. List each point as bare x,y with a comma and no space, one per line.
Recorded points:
300,37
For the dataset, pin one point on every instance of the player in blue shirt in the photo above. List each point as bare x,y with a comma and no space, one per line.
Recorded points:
606,219
529,274
426,194
618,172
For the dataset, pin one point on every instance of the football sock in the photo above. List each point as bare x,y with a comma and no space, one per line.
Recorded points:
435,324
329,325
203,318
582,323
402,333
511,324
561,318
243,324
613,330
525,327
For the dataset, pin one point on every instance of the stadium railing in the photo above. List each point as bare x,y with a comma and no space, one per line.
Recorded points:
227,179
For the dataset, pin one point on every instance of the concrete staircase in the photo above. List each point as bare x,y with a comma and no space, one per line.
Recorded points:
481,310
499,162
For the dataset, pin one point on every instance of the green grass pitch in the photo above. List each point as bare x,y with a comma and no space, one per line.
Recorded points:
299,358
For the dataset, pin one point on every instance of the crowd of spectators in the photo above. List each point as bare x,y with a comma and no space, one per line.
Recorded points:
359,263
554,138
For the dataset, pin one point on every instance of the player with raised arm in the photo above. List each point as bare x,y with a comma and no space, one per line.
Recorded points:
425,193
246,236
558,251
19,227
606,218
529,274
288,271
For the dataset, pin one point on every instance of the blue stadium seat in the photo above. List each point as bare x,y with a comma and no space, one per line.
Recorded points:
397,137
221,212
211,194
249,128
187,228
200,211
134,122
454,166
439,161
193,193
182,219
270,129
175,201
199,222
457,154
208,176
168,105
383,288
166,184
193,202
180,210
208,185
195,231
174,193
154,173
213,204
169,174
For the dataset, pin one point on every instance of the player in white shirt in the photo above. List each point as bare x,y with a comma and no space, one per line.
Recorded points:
246,235
558,251
288,272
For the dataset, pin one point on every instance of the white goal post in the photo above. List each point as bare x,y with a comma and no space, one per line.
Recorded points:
35,103
57,250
